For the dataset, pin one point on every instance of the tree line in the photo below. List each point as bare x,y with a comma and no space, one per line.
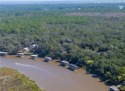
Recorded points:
96,43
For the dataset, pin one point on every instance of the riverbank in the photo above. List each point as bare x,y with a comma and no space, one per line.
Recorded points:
11,80
53,77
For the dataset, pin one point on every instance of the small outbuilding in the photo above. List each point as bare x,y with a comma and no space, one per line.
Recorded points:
48,59
73,67
64,63
26,49
34,56
20,54
114,88
3,53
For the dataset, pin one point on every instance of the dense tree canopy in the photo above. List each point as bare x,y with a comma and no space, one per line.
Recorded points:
96,42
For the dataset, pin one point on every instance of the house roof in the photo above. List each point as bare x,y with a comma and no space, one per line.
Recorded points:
20,53
34,55
65,62
5,53
49,58
114,88
73,65
2,52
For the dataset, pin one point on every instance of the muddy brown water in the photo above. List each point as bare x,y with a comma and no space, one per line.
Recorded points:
52,77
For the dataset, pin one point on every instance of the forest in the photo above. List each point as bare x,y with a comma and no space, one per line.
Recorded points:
92,36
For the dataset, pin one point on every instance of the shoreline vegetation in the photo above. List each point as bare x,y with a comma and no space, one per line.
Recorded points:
95,42
11,80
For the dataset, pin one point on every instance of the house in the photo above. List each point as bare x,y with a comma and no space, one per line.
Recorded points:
3,53
26,49
20,54
114,88
64,63
33,46
19,51
64,52
48,59
73,67
34,56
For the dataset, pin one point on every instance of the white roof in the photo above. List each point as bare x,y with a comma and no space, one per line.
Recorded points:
65,61
114,88
73,65
34,55
49,58
2,52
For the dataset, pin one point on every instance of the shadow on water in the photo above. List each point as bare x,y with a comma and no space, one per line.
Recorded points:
46,61
101,80
60,65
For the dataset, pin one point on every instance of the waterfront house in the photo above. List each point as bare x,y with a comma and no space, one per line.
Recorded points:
26,49
33,46
20,54
73,67
3,53
48,59
64,52
34,56
64,63
114,88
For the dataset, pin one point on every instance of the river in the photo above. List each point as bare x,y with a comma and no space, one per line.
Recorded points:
52,77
